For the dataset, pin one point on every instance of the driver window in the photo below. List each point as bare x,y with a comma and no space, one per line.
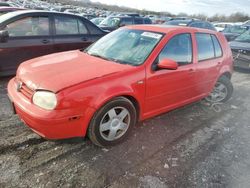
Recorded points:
179,49
29,26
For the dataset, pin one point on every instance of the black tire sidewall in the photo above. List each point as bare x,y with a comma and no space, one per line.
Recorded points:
94,132
227,82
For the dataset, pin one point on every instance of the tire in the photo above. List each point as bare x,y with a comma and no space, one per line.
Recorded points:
225,82
113,122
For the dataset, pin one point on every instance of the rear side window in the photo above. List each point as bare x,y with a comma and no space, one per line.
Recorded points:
179,49
94,30
69,26
205,46
217,47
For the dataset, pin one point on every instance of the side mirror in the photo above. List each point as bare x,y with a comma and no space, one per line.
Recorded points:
4,36
167,64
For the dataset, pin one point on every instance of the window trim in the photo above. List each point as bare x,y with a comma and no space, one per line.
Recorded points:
213,47
222,53
156,61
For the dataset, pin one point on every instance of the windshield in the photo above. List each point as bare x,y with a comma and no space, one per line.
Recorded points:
2,13
235,29
245,37
125,46
5,16
110,22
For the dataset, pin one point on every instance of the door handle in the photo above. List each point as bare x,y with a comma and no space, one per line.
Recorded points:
219,63
45,41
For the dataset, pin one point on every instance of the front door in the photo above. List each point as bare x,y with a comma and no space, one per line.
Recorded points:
167,89
29,37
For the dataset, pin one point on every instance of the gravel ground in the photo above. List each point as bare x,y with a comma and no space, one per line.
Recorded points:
194,146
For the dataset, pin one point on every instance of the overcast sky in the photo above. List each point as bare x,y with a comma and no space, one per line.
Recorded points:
208,7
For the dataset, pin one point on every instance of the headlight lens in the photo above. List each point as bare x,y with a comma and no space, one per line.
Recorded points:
45,99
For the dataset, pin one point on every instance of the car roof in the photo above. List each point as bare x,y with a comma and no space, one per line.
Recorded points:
168,28
11,8
21,12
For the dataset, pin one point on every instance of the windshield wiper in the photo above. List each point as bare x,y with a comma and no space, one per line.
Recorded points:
97,55
109,59
119,61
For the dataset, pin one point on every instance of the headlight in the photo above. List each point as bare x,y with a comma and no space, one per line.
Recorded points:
45,99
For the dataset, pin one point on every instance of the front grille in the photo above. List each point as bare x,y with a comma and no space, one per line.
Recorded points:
27,92
24,89
241,54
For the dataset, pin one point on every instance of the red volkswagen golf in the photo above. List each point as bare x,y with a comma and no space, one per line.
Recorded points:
132,74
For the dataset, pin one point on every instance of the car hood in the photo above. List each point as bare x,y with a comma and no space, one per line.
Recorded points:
61,70
240,45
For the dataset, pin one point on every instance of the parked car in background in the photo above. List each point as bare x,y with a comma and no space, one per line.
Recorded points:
72,11
220,26
112,23
28,33
179,18
241,50
4,10
131,74
88,16
247,23
97,21
234,31
192,23
3,4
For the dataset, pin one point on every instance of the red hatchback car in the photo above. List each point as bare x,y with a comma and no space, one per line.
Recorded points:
131,74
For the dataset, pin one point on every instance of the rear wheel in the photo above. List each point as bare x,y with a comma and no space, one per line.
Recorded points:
113,122
222,91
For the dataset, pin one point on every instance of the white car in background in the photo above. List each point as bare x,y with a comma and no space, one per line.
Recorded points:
220,26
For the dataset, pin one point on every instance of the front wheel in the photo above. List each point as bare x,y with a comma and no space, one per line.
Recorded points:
113,122
222,91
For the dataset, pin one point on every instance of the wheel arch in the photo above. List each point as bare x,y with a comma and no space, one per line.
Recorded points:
227,74
130,97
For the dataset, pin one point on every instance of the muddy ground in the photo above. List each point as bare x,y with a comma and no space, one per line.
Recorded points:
194,146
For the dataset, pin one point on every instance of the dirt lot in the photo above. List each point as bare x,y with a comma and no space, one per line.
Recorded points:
194,146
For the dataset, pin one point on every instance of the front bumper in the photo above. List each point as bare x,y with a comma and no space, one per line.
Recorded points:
241,60
242,63
55,124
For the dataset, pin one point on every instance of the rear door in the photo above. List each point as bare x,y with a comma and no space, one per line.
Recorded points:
70,33
30,36
209,55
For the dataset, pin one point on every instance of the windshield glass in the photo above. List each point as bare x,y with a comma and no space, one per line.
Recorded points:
235,29
5,16
2,13
125,46
110,22
245,37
